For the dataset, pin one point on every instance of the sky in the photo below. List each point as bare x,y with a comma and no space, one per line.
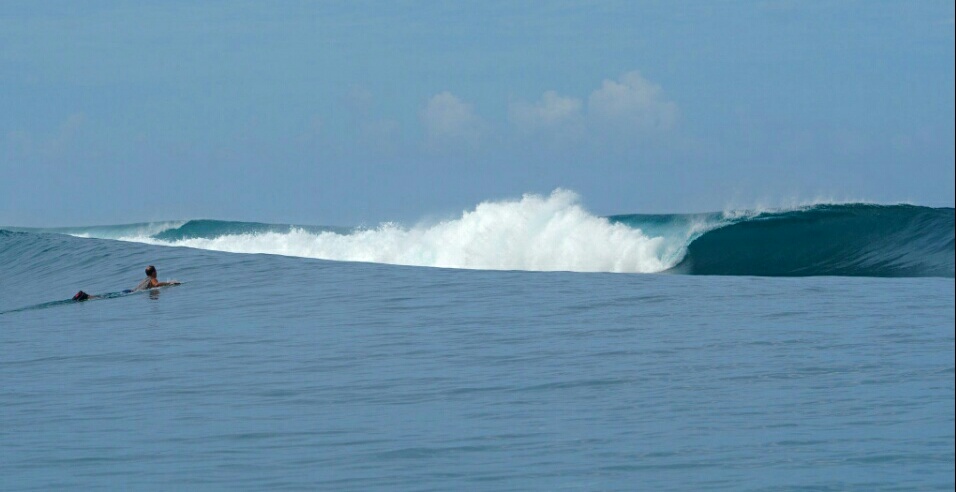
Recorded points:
356,113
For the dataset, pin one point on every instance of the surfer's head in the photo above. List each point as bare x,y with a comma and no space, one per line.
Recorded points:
151,271
81,296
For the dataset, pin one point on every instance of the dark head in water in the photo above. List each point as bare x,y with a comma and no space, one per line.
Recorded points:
150,281
81,296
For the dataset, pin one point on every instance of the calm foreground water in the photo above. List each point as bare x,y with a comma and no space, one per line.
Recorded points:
266,372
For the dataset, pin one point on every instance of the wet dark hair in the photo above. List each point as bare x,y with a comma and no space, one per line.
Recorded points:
150,271
81,296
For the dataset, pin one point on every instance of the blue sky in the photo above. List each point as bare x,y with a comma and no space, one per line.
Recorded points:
360,112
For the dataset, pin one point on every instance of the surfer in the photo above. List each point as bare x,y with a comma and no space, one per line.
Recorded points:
82,296
150,281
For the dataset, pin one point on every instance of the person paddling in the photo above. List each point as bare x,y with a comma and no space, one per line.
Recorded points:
150,281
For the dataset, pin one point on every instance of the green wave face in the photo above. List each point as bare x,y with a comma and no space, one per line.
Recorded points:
845,240
208,229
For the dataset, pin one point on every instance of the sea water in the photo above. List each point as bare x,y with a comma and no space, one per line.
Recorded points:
269,372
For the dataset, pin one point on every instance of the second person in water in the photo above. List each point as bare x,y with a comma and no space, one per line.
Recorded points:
150,281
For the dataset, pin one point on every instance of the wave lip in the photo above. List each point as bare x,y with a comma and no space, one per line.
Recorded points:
208,229
121,231
841,240
553,233
556,233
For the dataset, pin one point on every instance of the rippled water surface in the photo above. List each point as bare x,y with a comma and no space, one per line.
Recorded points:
266,372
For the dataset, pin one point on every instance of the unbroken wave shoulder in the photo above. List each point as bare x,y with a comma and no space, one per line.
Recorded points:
556,234
846,240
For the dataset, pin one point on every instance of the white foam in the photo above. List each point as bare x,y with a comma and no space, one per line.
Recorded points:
552,233
126,232
736,212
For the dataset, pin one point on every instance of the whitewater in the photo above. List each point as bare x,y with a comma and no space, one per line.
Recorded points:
534,233
803,348
556,233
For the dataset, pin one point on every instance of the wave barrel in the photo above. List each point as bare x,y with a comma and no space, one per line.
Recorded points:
844,240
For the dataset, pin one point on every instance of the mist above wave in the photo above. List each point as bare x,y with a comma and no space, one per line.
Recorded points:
540,233
556,233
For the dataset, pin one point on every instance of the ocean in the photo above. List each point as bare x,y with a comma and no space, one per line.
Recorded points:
524,345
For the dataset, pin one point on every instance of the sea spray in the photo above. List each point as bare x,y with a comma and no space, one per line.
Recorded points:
553,233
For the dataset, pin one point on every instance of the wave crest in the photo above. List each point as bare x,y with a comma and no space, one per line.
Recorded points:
552,233
556,233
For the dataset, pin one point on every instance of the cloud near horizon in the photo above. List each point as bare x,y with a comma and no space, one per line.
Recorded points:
630,105
449,123
633,100
551,111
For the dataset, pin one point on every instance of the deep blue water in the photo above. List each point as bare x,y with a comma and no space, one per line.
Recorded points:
268,372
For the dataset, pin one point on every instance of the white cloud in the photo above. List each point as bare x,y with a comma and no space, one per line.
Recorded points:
450,123
551,111
619,110
632,103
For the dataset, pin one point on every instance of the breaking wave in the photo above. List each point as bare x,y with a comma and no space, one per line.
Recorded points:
556,233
